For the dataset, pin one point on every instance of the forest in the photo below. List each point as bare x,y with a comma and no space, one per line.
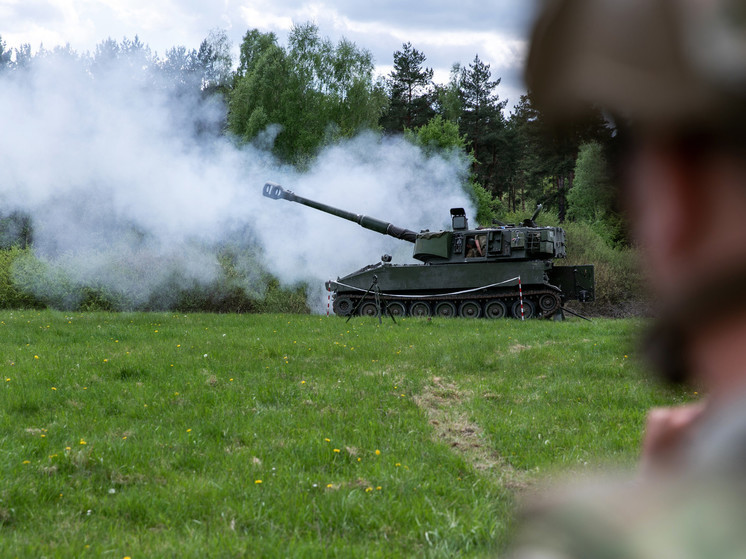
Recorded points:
296,99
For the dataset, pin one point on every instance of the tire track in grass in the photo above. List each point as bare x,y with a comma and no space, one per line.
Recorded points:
444,403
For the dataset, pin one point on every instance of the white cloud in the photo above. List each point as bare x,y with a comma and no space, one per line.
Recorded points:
259,15
446,31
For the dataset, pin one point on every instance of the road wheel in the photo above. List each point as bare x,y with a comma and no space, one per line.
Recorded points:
396,308
445,309
470,309
343,306
495,309
528,309
549,303
420,308
369,309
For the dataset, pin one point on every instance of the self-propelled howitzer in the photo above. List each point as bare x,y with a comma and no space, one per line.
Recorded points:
465,272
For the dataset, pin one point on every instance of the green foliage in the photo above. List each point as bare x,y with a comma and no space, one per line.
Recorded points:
15,230
311,92
314,91
49,285
482,122
165,435
257,95
592,195
438,135
592,198
547,154
215,59
241,287
441,135
5,55
11,295
488,207
619,279
447,98
278,299
618,275
254,46
410,91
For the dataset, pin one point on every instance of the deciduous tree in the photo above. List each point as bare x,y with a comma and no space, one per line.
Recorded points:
314,90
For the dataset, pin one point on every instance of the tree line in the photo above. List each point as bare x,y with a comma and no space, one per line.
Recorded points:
313,92
318,92
295,98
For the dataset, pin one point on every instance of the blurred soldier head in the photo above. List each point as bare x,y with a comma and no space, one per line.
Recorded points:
671,75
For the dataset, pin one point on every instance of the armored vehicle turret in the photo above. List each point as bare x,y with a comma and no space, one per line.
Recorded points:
465,272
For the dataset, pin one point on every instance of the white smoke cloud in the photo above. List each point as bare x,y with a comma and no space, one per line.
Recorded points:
128,186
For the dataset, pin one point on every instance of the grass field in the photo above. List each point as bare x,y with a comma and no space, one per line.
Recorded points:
165,435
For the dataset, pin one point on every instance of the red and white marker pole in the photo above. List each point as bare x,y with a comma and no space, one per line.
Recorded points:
520,296
328,300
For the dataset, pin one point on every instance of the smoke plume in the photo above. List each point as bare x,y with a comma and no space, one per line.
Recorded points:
129,184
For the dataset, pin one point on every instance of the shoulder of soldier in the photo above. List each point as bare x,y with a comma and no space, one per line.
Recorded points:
638,520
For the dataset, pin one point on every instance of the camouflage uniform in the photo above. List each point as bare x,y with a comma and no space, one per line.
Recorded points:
665,67
700,513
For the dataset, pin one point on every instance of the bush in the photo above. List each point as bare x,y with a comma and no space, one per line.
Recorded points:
619,280
11,295
242,287
283,300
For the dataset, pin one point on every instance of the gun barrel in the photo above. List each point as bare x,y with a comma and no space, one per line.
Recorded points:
275,191
537,212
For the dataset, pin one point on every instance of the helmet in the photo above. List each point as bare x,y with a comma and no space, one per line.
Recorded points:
652,61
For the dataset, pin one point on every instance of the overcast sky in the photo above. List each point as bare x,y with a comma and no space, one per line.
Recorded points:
446,31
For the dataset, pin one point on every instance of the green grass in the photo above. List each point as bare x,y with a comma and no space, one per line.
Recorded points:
159,435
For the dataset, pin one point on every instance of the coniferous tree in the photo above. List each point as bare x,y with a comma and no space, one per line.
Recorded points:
215,61
447,98
547,156
23,57
483,124
5,55
410,90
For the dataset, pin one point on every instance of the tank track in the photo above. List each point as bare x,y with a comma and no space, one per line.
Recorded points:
538,302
